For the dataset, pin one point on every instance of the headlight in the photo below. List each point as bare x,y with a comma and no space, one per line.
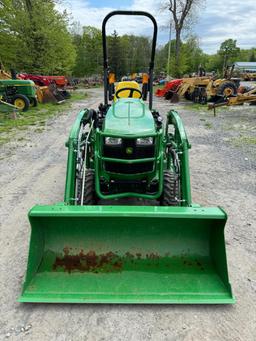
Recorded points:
145,141
113,141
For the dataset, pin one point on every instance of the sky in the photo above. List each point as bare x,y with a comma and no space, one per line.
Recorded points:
217,20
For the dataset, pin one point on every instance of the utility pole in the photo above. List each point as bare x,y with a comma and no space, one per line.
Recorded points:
169,50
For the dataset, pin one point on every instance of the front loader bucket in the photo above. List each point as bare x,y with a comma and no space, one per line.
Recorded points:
127,254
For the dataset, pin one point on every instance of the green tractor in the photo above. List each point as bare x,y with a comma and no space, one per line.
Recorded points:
20,93
96,246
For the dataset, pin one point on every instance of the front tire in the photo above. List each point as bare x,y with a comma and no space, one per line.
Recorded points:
168,95
21,102
171,189
89,188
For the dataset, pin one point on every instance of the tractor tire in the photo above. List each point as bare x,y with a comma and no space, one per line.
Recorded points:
227,89
66,94
89,189
33,102
171,189
202,96
188,96
168,95
21,102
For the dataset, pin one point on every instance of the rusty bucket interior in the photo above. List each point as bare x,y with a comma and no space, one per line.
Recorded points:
120,254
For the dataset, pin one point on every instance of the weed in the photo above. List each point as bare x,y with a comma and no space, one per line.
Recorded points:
39,130
243,140
208,125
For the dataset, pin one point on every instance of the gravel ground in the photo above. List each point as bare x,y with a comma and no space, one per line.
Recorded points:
222,163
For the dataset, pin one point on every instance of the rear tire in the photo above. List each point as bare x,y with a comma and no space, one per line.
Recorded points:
171,189
33,102
89,188
227,89
168,95
66,94
188,96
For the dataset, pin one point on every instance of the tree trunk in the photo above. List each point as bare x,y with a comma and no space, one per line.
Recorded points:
177,53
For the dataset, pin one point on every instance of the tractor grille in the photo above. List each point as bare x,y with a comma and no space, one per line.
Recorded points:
122,168
136,152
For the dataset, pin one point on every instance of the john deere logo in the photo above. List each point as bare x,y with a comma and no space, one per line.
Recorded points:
129,150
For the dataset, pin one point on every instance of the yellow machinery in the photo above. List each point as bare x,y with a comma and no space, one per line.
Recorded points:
201,89
247,97
249,76
5,75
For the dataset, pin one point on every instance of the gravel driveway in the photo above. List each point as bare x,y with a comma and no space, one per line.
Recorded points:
222,162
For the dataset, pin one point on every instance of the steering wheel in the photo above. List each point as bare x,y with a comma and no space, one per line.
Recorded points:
132,90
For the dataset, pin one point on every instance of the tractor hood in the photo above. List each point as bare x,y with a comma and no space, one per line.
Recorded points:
129,116
16,82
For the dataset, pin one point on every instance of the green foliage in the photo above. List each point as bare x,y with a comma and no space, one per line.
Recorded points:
115,55
252,57
89,52
228,51
36,116
8,39
214,63
34,37
191,56
136,52
125,53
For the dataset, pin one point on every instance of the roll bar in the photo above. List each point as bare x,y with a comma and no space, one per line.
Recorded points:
105,55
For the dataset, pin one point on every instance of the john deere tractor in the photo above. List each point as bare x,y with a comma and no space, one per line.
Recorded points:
101,245
20,93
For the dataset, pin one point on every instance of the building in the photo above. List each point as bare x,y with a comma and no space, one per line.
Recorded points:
245,66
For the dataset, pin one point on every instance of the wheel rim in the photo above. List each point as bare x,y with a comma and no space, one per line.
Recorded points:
19,103
228,92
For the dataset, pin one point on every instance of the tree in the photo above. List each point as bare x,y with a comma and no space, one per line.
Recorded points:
38,34
8,39
214,64
114,55
252,57
135,54
89,52
193,54
181,11
228,50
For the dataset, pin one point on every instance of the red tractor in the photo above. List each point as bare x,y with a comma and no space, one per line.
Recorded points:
170,87
59,81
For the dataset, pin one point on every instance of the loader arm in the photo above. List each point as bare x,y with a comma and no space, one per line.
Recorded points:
72,144
179,141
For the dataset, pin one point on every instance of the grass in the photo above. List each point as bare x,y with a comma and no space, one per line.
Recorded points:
77,96
208,125
197,106
33,117
243,141
201,108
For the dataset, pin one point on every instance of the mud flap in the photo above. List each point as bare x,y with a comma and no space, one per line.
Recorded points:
127,254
